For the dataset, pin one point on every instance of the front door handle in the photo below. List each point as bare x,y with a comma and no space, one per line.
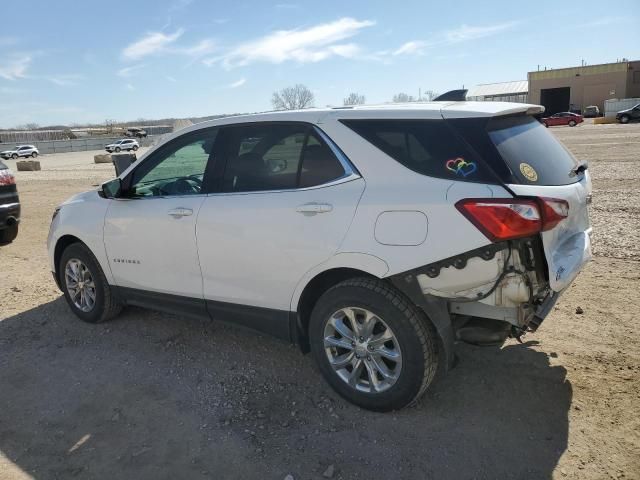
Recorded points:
314,208
180,212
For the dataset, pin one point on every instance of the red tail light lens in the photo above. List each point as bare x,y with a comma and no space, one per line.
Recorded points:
509,218
553,212
7,178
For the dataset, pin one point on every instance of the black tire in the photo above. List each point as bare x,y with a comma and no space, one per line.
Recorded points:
572,123
415,335
106,305
117,149
14,156
625,119
545,124
135,148
34,154
8,235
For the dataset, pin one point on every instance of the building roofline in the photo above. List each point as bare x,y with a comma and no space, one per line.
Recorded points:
583,66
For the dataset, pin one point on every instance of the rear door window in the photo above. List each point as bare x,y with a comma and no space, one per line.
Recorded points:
428,147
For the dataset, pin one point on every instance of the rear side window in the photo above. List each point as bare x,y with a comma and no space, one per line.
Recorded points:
276,157
429,147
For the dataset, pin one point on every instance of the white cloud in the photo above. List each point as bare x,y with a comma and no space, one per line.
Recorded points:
129,87
415,47
15,67
312,44
204,47
127,72
65,80
150,44
238,83
465,33
171,79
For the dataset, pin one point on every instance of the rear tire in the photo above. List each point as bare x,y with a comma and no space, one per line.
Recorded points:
8,235
625,119
135,148
34,154
104,305
402,366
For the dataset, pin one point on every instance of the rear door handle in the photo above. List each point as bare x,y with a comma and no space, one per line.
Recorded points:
314,208
180,212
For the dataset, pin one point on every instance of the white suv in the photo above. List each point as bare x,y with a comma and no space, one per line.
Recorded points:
20,151
373,237
126,144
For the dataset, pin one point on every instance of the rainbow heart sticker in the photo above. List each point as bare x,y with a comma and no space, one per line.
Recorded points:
461,167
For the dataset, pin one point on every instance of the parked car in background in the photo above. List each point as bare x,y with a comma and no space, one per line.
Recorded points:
562,118
20,151
365,235
9,206
629,115
591,111
136,132
125,144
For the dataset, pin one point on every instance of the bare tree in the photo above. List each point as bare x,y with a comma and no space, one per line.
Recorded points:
353,99
429,95
109,124
31,126
293,98
403,98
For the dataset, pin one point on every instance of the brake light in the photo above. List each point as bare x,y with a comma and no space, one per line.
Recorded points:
509,218
553,212
6,177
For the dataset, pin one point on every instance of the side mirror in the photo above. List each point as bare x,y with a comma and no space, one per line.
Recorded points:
111,189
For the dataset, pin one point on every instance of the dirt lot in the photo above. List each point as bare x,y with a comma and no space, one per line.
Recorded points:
158,396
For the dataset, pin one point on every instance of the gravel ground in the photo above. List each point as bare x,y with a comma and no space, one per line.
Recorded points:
151,395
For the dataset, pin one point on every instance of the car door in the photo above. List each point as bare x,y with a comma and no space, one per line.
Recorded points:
150,233
286,200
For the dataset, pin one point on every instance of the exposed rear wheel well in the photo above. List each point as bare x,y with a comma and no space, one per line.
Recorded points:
63,243
312,292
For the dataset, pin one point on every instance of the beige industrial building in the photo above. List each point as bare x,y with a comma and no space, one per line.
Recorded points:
574,88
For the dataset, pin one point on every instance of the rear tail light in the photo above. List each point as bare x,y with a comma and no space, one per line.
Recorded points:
505,218
6,177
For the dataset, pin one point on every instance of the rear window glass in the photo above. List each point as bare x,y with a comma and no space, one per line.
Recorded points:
531,152
429,147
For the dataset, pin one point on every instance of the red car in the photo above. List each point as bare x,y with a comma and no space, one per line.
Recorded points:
562,118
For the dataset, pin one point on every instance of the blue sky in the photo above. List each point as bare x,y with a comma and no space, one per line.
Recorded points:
71,62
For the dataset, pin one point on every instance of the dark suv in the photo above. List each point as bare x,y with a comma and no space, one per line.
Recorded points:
9,206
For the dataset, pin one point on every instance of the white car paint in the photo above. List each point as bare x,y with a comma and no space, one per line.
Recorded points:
258,249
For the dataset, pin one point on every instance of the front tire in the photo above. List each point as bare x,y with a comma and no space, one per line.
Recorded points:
84,285
14,156
625,119
117,149
373,346
572,123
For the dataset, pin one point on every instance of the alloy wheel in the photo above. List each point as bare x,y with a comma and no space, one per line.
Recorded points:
362,350
80,285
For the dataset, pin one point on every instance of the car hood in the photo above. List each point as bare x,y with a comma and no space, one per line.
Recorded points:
80,197
9,151
626,110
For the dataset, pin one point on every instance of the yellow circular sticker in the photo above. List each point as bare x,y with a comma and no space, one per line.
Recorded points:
529,172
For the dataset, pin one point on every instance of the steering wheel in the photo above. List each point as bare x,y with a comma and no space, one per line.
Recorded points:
195,178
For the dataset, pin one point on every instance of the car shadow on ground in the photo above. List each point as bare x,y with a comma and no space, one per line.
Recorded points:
150,395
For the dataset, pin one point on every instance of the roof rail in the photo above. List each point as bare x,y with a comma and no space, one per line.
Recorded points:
452,96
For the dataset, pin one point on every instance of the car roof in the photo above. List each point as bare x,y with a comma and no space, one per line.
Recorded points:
390,111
